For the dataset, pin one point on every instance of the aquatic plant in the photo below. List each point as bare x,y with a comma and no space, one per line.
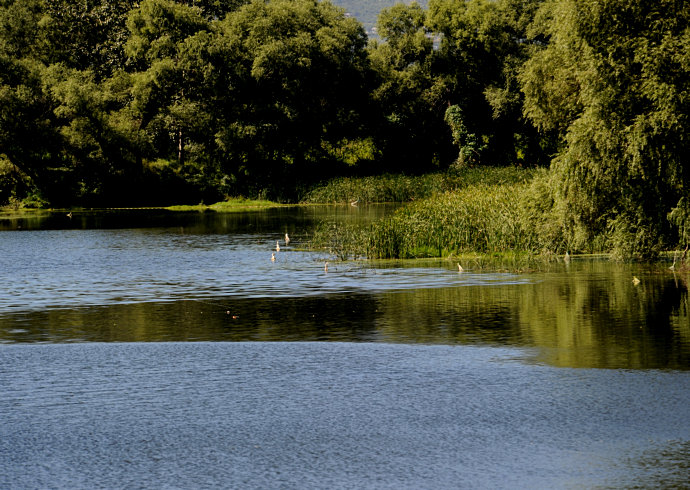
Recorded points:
475,219
342,240
404,188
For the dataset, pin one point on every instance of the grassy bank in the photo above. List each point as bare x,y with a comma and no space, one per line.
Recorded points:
229,205
480,218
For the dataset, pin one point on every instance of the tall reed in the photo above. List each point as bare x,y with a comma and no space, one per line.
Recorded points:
480,218
403,188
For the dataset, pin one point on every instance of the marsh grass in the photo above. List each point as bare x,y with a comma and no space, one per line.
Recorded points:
503,216
403,188
481,218
342,240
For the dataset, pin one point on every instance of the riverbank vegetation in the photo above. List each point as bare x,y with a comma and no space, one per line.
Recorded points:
159,102
493,216
403,188
233,204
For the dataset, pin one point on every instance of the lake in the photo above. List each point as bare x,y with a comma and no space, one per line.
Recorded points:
144,348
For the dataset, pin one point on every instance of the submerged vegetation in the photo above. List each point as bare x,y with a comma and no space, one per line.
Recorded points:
153,102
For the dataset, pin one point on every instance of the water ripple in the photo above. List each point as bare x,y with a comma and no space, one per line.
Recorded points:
67,268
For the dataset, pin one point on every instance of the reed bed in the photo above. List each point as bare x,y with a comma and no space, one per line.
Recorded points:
502,213
482,218
479,219
506,214
403,188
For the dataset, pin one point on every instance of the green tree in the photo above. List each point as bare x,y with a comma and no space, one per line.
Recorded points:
54,125
482,46
166,46
290,85
28,136
84,34
413,136
612,84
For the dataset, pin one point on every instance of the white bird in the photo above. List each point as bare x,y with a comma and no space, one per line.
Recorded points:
354,203
287,240
325,267
277,246
273,257
460,269
566,257
636,281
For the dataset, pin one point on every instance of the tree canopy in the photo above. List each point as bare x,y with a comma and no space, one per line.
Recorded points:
612,83
159,101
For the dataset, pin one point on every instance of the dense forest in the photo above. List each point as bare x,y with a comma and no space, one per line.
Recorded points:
125,102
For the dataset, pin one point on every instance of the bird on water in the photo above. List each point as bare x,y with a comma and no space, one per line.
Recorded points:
277,246
273,256
287,240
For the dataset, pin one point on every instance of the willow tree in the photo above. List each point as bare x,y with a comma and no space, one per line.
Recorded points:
611,82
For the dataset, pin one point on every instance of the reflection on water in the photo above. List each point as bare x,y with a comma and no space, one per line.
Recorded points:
207,276
179,355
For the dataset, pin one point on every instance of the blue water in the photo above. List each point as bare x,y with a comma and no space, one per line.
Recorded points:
68,268
332,415
154,350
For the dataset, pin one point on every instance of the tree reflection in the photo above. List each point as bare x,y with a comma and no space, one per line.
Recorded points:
591,315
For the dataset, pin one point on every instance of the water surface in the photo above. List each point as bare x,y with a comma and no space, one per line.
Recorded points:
152,349
332,415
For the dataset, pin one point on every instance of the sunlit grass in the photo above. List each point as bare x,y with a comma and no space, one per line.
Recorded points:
403,188
480,218
484,214
232,204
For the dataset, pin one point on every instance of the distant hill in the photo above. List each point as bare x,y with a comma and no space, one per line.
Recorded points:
366,11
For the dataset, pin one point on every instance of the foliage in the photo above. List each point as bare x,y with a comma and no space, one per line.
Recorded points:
292,90
153,101
411,135
385,188
474,219
612,84
342,240
473,210
468,143
367,11
475,68
229,205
